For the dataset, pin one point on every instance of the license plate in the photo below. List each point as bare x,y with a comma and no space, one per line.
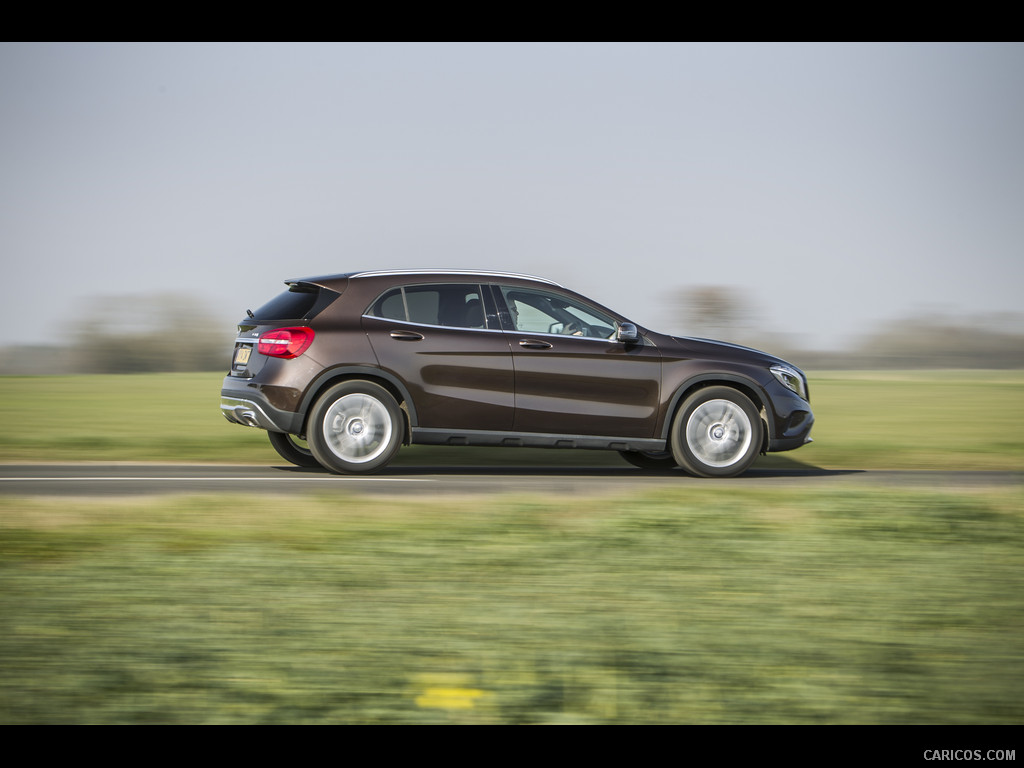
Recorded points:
242,355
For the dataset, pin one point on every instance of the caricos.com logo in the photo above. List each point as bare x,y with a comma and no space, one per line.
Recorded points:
970,754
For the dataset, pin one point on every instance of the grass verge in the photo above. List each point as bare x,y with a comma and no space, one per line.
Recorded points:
756,606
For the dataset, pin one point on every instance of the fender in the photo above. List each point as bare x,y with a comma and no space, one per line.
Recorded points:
745,382
357,371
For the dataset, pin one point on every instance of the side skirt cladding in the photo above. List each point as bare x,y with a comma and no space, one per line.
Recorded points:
422,436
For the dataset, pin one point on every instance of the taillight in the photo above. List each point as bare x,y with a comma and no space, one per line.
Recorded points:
285,342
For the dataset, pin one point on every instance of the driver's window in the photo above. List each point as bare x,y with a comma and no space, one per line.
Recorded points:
541,312
528,313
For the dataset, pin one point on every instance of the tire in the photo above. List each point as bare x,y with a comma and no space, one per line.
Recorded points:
291,449
355,427
657,460
717,433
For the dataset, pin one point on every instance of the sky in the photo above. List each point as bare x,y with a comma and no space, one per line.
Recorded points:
831,188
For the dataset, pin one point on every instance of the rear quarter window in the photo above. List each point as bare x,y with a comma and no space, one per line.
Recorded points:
450,305
299,302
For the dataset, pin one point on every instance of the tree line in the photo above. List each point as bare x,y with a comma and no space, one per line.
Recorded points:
168,333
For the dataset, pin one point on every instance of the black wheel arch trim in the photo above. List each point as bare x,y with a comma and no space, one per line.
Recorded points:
333,375
746,384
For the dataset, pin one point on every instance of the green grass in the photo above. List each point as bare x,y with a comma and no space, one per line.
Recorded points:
930,420
145,417
682,606
918,420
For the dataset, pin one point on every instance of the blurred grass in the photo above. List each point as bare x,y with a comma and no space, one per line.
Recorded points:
842,605
915,420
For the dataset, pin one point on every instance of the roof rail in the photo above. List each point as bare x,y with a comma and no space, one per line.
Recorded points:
476,272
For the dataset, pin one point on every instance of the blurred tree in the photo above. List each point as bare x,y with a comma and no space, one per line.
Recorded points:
138,334
714,311
943,341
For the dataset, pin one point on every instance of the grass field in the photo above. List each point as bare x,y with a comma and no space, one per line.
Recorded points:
696,604
930,420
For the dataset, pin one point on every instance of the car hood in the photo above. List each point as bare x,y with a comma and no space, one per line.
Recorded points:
689,347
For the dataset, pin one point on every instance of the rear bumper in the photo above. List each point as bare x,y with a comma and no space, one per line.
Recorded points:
251,409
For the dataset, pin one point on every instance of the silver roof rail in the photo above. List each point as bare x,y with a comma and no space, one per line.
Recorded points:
475,272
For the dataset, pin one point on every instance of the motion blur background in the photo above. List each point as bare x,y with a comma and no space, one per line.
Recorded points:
852,205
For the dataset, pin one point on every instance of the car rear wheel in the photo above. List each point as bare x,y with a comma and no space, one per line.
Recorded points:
659,460
355,427
717,433
291,449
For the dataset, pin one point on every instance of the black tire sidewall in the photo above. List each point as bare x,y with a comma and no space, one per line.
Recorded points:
289,451
646,461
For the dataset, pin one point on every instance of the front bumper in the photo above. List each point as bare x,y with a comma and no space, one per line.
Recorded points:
793,419
791,442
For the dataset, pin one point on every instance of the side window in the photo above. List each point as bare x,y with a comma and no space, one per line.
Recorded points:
535,311
455,305
390,306
423,304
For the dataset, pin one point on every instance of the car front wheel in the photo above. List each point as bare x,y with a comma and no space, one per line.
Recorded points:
717,433
355,427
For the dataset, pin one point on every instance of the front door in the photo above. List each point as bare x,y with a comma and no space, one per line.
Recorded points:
571,374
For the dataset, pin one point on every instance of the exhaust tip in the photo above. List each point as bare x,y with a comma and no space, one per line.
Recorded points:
248,418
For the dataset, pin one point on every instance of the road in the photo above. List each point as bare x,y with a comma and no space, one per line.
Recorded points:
95,479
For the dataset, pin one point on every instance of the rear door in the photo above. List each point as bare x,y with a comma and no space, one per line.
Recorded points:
443,341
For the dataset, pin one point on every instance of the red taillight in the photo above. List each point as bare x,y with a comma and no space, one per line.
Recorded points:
285,342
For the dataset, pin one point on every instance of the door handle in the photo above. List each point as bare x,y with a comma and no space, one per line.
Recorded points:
534,344
406,335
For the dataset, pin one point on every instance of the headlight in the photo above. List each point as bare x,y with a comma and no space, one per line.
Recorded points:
791,378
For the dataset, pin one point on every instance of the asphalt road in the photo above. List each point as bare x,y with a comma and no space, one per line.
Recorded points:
89,479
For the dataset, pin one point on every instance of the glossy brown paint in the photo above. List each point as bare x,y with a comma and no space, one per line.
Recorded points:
458,378
585,386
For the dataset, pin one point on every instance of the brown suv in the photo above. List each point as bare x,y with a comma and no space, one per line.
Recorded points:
358,364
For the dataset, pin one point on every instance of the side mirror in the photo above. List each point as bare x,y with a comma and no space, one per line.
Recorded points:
627,333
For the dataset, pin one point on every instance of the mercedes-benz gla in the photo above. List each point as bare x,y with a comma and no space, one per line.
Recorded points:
343,370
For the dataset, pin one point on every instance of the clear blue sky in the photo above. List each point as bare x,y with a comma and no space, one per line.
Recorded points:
833,186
